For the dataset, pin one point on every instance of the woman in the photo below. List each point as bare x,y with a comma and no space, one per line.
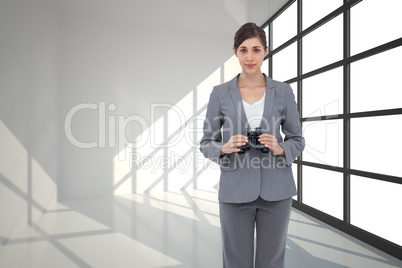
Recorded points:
256,188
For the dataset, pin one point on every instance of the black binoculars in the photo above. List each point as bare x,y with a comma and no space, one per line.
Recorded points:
253,142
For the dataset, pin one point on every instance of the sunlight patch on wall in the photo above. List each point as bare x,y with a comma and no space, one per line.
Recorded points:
26,190
13,182
166,157
13,154
204,89
169,159
231,68
122,177
44,189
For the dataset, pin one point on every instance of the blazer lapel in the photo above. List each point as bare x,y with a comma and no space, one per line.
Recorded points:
237,101
269,102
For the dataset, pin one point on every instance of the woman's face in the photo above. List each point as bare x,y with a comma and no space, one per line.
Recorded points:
251,55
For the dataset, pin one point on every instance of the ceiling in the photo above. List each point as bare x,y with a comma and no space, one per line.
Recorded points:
212,16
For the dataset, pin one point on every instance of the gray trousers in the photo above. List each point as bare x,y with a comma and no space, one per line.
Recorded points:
271,219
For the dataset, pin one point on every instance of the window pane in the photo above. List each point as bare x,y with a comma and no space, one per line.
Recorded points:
324,142
265,67
382,90
324,45
376,145
323,190
376,206
314,10
266,30
285,63
373,23
323,94
294,170
294,88
285,26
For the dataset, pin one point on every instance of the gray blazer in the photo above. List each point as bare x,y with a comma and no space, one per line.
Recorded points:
245,177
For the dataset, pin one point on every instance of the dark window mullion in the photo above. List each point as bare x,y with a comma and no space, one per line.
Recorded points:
346,120
270,43
300,91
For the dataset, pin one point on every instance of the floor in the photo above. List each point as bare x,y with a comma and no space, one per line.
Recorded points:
167,229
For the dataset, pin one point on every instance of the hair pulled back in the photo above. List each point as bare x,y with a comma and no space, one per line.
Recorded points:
249,30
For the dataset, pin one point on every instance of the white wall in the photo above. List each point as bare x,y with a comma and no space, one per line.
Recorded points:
128,54
29,112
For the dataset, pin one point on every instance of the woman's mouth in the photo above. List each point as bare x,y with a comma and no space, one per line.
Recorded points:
250,65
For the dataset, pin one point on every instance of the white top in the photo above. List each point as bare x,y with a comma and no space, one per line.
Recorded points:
254,112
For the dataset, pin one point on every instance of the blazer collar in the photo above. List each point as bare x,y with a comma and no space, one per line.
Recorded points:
238,104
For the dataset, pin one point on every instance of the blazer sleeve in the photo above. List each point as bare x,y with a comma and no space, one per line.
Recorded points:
293,143
211,142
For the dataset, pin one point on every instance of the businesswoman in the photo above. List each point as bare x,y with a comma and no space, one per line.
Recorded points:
256,188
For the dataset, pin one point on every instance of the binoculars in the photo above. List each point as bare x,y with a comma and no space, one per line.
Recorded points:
253,142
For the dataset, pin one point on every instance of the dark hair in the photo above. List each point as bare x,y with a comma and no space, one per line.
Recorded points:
249,30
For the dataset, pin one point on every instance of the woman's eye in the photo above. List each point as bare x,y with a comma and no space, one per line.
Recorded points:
242,50
256,50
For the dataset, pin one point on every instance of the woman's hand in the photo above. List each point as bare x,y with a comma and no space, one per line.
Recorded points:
234,142
272,143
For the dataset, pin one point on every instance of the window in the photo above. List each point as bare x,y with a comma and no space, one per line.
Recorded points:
324,142
265,67
375,207
323,190
323,46
285,26
323,94
294,171
373,83
294,88
370,133
314,10
285,63
351,111
374,23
